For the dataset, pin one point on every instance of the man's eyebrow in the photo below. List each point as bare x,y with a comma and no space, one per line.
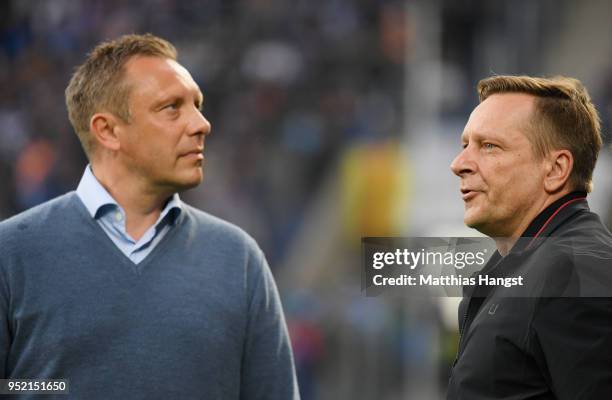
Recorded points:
473,135
162,99
200,97
171,97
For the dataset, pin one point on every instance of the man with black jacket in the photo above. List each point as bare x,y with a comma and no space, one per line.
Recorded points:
529,150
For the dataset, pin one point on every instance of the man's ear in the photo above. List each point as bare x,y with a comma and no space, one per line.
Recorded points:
104,127
561,163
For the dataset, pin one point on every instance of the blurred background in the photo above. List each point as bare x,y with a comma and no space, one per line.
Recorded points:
332,120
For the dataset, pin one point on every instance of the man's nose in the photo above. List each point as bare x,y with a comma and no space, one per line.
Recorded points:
463,163
199,124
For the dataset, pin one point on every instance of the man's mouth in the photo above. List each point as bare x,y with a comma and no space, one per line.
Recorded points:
468,194
195,153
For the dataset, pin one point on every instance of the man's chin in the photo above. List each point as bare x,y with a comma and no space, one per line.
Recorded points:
481,226
473,221
188,182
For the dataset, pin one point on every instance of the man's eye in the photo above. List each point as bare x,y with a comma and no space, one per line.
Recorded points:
464,145
172,106
489,146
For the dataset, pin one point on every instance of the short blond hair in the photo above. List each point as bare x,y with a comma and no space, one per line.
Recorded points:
564,118
98,84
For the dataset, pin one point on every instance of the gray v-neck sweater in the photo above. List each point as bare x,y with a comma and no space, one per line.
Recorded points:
198,318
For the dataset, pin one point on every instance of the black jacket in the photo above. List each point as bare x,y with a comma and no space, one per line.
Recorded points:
552,337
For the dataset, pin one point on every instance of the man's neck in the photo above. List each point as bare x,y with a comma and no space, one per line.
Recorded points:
142,204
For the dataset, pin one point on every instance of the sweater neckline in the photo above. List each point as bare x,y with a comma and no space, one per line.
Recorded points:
136,269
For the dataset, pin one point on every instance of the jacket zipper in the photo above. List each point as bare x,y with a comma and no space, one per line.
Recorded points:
462,331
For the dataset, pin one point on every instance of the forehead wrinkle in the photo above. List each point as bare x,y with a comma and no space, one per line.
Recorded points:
162,77
471,134
175,90
507,128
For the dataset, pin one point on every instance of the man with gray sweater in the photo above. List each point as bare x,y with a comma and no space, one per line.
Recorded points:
121,288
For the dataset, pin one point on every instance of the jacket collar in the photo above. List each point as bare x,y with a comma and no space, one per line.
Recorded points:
550,219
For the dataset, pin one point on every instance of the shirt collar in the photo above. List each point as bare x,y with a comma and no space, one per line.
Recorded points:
173,208
94,196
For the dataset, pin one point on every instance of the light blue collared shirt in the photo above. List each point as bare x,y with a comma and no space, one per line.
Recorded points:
111,218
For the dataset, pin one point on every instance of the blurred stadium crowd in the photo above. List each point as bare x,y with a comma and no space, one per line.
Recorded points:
286,86
309,103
